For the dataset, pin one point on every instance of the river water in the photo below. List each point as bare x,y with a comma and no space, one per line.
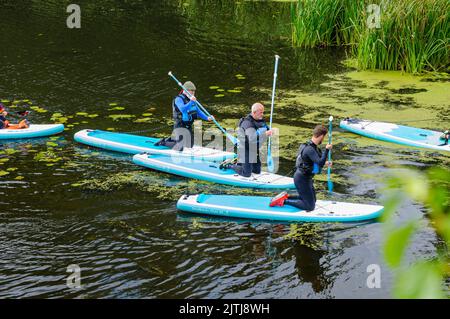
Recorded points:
63,203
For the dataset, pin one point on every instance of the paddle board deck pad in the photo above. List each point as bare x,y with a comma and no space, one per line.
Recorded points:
257,207
210,171
394,133
135,144
34,130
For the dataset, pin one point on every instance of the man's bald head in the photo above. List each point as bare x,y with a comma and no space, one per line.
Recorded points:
258,111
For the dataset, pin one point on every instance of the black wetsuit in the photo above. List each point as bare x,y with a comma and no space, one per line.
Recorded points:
2,121
310,161
251,135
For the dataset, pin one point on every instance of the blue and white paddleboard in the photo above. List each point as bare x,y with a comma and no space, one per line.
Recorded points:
210,171
35,130
257,207
394,133
135,144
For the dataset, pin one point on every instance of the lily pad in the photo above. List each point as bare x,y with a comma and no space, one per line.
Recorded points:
19,178
52,144
147,114
143,120
234,91
214,87
219,95
10,151
118,117
38,109
3,173
117,108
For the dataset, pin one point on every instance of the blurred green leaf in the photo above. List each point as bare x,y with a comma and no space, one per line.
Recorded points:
396,243
390,205
421,281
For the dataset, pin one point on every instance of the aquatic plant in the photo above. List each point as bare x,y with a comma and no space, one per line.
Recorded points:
412,35
424,278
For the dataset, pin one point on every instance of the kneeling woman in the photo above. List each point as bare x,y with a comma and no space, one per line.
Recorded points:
310,161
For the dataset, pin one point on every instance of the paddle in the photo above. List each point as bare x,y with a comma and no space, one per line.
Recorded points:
330,183
228,135
270,164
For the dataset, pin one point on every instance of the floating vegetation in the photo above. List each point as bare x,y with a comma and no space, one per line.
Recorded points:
220,90
234,91
143,120
214,87
147,114
117,108
58,118
112,104
118,117
110,129
52,144
47,156
4,173
38,109
219,95
307,234
9,151
19,178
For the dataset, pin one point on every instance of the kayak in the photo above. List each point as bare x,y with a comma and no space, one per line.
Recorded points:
394,133
257,207
210,171
135,144
34,130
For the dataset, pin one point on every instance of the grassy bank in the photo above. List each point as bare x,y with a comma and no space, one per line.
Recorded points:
412,35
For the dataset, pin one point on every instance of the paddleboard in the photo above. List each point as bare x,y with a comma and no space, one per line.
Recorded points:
135,144
257,207
35,130
210,171
394,133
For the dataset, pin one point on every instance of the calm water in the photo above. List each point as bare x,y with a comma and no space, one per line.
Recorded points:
63,203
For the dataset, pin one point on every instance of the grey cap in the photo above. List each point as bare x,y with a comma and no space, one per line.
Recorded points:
189,86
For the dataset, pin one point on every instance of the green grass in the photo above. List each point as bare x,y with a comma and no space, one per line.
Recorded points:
413,36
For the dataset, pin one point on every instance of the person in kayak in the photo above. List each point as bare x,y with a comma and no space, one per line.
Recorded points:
185,111
252,133
4,123
310,161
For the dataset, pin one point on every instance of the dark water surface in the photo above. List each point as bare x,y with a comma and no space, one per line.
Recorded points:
127,235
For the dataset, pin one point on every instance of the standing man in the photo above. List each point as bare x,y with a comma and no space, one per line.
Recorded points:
252,132
310,161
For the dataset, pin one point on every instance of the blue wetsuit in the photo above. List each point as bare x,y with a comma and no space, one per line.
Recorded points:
310,161
185,112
